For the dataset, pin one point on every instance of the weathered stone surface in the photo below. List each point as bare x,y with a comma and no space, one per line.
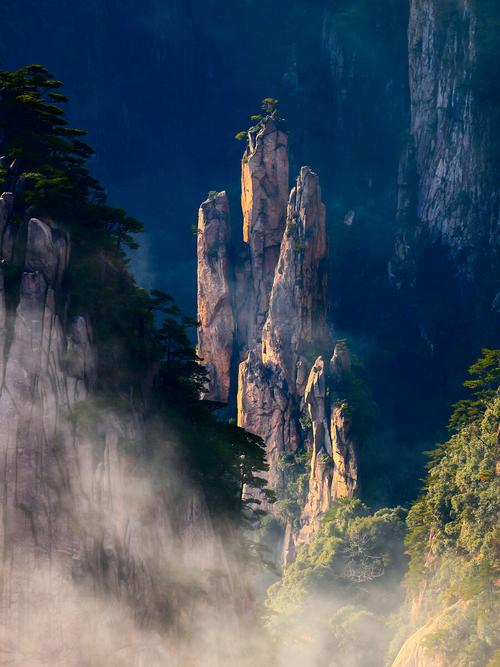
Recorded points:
344,453
6,203
344,444
242,300
315,398
264,195
47,251
281,316
415,653
448,161
340,363
334,457
298,304
320,479
272,379
266,408
215,308
35,401
6,240
85,534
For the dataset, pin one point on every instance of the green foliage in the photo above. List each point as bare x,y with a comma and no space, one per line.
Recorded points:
352,391
336,596
484,383
292,492
50,159
453,539
269,106
51,180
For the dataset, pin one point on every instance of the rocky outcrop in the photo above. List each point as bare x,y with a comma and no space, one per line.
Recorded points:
344,442
415,653
267,408
344,453
334,458
264,194
320,480
271,379
298,303
36,396
281,317
215,308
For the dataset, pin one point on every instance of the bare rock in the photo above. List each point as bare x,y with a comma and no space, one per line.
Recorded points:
264,195
215,310
319,496
47,251
334,457
448,162
75,508
266,408
298,304
344,453
6,204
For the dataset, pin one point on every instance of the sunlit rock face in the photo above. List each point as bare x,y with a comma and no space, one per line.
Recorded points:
88,533
267,408
414,652
298,304
345,446
334,460
320,480
215,307
281,318
271,379
264,194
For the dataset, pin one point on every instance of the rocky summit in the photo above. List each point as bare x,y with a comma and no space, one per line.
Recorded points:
275,305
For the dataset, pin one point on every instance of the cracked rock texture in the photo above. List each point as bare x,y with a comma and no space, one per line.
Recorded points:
264,194
334,461
298,304
281,319
77,514
215,308
448,183
271,379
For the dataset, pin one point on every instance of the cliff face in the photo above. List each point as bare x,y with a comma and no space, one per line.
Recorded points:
414,654
215,308
298,304
271,378
264,193
449,166
84,530
334,461
281,315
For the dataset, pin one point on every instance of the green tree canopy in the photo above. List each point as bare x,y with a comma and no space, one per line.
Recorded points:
483,385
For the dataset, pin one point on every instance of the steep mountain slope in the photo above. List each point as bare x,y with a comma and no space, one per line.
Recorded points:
111,505
447,248
453,596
